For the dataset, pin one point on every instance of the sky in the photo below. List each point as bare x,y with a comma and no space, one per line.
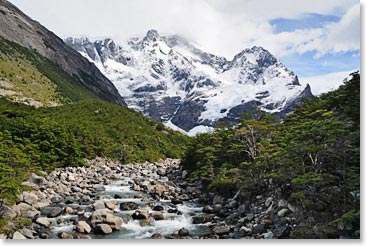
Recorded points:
313,38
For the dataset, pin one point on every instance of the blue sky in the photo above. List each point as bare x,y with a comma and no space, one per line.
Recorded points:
310,63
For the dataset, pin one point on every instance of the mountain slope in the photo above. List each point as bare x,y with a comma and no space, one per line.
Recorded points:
170,80
18,28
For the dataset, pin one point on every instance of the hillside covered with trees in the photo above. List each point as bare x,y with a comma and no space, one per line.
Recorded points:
311,159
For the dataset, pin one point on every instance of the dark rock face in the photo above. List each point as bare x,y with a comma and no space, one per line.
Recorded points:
17,27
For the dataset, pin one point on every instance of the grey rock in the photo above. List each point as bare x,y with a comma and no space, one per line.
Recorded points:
268,201
283,212
268,235
64,235
221,230
183,232
259,229
282,203
27,233
43,221
126,206
7,213
281,231
17,235
201,219
208,209
157,215
29,197
102,229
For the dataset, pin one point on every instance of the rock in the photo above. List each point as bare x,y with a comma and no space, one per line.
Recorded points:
172,210
250,216
7,213
69,210
27,233
218,200
44,236
157,215
99,204
208,209
161,171
102,229
145,222
3,236
268,235
29,197
64,235
158,208
110,204
245,231
100,215
283,212
159,190
35,179
17,235
184,174
201,219
217,208
175,202
267,222
157,236
292,208
126,206
56,199
114,221
221,230
281,231
54,212
259,229
183,232
268,201
140,214
43,221
282,203
83,227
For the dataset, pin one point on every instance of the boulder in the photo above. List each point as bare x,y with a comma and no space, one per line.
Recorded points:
140,214
100,215
102,229
283,212
158,208
281,231
245,231
268,235
26,210
114,221
126,206
282,203
99,204
208,209
64,235
3,236
43,221
29,197
27,233
268,201
183,232
157,236
38,180
17,235
110,204
157,215
259,229
159,190
201,219
69,210
54,212
83,227
219,230
7,213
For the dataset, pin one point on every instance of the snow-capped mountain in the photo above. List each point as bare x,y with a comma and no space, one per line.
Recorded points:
170,80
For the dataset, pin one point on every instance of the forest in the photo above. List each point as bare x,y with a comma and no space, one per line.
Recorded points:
312,157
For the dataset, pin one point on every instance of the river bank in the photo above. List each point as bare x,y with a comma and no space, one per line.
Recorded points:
138,201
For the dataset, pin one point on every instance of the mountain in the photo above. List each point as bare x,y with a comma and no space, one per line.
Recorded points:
33,56
172,81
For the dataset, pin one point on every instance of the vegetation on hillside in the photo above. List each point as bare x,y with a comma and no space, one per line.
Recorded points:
36,78
313,157
45,138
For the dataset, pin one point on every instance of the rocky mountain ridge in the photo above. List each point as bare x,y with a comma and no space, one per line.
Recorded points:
17,27
170,80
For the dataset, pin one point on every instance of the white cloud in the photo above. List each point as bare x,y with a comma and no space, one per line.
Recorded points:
224,27
325,83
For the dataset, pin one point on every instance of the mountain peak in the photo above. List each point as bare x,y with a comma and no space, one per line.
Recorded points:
152,35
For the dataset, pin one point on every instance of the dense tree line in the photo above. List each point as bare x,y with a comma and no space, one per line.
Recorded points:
313,156
45,138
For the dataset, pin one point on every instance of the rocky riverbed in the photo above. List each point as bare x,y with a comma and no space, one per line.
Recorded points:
142,200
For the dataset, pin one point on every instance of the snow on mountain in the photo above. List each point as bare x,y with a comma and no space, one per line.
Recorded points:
172,81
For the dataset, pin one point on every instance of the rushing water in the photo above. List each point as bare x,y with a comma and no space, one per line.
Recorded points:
131,228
